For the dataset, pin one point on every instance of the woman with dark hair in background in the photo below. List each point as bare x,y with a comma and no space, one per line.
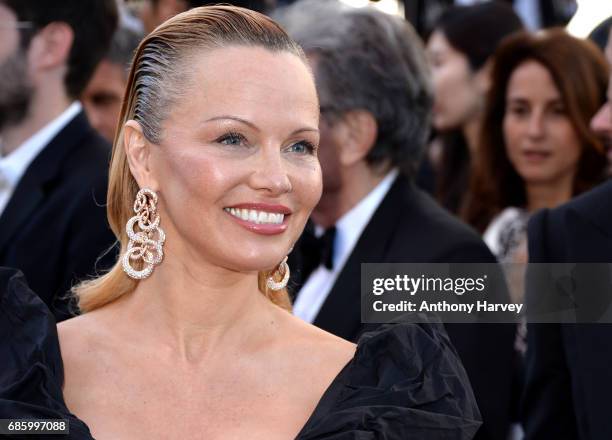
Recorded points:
536,149
462,41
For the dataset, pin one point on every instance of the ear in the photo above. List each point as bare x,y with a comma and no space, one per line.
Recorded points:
51,46
360,131
483,77
138,152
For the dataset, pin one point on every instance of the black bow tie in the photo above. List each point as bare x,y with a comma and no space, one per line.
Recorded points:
317,250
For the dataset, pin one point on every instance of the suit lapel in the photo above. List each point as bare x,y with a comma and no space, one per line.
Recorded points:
594,221
340,313
34,185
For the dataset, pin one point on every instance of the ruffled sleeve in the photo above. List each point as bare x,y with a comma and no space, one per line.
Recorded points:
405,382
31,369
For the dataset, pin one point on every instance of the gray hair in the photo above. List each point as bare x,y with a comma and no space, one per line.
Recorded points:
122,47
368,60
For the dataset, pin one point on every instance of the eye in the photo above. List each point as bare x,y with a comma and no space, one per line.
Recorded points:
232,138
559,110
518,110
103,99
302,147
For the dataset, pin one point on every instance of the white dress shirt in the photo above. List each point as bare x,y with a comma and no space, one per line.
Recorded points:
348,230
14,166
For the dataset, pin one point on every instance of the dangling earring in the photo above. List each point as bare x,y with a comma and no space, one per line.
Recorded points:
283,269
147,243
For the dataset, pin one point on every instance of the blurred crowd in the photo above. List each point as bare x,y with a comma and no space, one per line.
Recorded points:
457,143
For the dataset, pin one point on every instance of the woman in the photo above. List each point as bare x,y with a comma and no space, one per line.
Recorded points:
537,149
213,175
460,63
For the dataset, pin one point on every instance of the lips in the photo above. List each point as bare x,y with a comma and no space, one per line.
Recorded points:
536,155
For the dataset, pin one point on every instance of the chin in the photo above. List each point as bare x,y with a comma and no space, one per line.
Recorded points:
256,262
539,179
443,125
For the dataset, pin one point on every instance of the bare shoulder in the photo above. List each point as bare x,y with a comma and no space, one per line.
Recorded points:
317,348
73,334
82,341
78,333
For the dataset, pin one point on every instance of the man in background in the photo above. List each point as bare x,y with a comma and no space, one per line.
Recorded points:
103,95
376,100
53,165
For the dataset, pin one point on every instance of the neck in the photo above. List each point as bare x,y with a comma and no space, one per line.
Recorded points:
47,104
540,196
471,132
194,310
357,183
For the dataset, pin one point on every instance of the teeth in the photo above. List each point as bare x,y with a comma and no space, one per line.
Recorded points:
258,217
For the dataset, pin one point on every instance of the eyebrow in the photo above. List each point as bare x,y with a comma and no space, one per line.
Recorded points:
522,99
253,126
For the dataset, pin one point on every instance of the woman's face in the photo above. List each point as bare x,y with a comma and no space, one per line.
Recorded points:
540,139
458,95
237,168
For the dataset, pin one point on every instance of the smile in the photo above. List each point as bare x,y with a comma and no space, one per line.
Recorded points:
257,217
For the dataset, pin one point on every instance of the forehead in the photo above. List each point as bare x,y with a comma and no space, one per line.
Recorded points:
250,80
8,32
438,42
532,78
6,13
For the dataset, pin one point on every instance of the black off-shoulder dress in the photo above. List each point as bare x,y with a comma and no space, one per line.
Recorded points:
404,382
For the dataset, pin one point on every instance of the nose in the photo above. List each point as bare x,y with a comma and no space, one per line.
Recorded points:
270,172
535,127
602,121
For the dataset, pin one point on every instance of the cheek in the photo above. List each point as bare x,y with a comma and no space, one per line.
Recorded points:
192,182
114,113
307,186
566,142
454,95
512,135
444,80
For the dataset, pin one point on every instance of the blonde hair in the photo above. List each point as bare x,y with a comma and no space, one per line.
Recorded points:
154,84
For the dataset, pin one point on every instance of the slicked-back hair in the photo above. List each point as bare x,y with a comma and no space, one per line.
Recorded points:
92,22
160,75
368,60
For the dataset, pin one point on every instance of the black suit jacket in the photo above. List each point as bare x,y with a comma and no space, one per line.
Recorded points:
409,226
54,227
569,366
